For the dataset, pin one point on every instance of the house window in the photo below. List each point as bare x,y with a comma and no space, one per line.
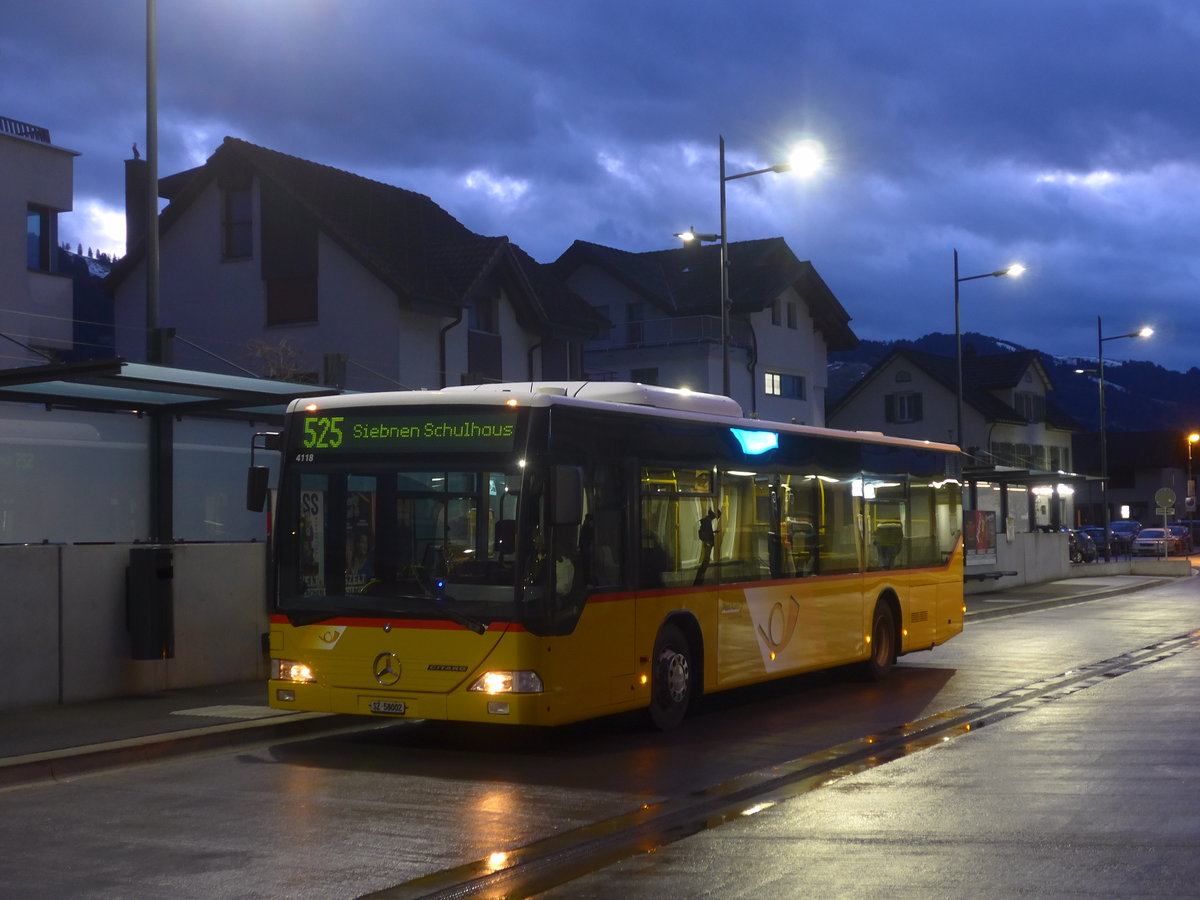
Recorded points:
904,406
291,300
236,223
644,376
776,311
777,384
483,314
792,315
1031,406
42,237
903,376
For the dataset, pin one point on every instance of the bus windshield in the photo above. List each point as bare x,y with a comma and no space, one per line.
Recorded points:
362,540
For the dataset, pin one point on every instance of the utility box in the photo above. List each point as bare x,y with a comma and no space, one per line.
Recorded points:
149,603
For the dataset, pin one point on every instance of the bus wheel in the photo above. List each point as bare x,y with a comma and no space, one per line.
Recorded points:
883,643
671,685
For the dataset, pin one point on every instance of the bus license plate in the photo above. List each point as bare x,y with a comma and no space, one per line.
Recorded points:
388,707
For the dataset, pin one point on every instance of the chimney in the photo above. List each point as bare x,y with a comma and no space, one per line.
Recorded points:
137,172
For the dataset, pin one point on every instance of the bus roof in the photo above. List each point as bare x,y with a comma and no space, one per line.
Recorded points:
642,399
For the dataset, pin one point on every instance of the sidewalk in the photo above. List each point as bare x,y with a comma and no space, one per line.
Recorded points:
51,742
60,741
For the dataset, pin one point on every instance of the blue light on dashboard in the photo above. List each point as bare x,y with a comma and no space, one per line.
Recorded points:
755,442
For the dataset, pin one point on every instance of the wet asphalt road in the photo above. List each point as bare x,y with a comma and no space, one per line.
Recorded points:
1090,790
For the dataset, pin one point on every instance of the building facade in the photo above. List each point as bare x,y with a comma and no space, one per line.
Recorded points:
277,266
36,185
1018,444
664,308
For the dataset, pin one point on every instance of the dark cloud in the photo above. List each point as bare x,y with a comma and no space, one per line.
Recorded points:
1063,133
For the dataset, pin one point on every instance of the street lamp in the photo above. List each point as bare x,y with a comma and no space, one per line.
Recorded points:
1144,332
155,352
1190,501
1014,270
805,160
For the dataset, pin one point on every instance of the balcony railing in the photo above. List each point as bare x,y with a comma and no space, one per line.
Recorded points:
24,129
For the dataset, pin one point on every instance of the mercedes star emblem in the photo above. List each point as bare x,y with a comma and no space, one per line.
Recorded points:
386,668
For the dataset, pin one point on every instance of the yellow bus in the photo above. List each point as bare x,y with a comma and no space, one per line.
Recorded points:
542,553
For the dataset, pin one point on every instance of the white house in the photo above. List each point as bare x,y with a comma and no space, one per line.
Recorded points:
1018,443
665,306
278,266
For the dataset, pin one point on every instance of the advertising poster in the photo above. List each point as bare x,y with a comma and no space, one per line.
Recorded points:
979,537
312,529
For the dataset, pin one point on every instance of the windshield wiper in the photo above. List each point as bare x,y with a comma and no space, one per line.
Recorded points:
431,594
437,602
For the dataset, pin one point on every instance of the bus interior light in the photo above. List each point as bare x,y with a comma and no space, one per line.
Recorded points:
291,670
521,681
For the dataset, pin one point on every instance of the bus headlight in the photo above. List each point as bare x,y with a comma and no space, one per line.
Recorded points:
523,681
291,670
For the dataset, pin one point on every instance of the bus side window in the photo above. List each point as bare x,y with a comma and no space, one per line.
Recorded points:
604,527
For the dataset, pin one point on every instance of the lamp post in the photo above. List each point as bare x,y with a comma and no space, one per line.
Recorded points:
806,159
1190,500
1143,332
1014,270
155,352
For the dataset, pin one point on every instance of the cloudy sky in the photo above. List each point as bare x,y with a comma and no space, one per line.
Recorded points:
1060,133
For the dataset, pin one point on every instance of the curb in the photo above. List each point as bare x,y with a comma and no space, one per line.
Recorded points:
72,762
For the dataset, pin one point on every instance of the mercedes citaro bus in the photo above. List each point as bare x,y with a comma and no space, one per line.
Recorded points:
533,553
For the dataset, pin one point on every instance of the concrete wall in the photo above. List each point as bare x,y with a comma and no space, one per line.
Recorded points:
1039,556
66,637
1035,556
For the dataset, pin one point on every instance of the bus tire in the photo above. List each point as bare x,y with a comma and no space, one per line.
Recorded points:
883,643
672,681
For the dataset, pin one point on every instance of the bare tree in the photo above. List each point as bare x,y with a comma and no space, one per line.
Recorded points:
279,360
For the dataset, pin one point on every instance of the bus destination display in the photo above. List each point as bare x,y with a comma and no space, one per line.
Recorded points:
357,431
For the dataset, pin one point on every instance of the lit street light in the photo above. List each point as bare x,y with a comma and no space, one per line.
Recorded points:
1144,332
1190,501
807,158
1014,270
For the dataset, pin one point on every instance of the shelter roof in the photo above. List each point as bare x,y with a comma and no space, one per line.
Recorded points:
114,384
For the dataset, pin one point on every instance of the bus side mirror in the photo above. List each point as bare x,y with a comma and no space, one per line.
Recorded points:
259,477
568,495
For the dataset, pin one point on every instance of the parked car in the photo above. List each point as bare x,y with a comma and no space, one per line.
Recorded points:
1184,534
1082,546
1123,533
1118,544
1152,541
